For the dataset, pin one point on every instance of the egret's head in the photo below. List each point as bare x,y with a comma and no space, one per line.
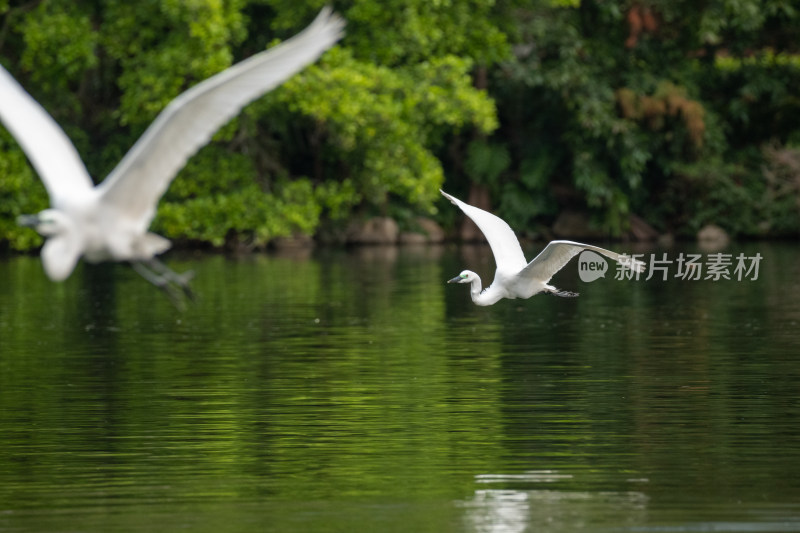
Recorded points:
47,223
63,247
465,277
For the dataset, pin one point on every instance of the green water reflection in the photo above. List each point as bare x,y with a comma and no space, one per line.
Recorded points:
356,391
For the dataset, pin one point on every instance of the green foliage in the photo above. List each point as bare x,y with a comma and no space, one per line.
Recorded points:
162,46
348,134
403,32
21,193
218,197
741,24
562,115
782,196
247,215
627,107
763,103
756,196
409,31
486,162
383,122
716,192
658,108
337,198
59,45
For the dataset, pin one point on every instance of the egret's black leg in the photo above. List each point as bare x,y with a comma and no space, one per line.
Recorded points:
181,280
159,281
564,294
166,280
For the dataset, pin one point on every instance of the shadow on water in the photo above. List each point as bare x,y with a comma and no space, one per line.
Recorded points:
354,390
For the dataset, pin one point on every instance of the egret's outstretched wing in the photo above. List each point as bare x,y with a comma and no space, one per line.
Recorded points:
505,246
47,146
189,121
558,253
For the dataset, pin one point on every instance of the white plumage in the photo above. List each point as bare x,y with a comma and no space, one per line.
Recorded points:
109,221
515,277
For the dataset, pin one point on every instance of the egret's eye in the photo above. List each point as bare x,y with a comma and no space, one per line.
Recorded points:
463,276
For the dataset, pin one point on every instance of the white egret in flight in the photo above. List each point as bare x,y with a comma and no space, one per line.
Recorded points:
109,222
515,277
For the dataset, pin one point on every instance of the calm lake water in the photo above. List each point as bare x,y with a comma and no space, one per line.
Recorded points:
350,391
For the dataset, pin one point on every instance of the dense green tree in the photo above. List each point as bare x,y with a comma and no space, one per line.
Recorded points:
655,107
682,112
357,130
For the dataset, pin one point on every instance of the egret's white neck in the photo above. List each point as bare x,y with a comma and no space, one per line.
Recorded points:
487,297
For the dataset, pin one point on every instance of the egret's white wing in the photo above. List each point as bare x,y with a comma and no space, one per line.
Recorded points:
558,253
47,146
189,121
505,246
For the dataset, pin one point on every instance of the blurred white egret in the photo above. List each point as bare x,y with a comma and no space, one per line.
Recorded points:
515,277
109,222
